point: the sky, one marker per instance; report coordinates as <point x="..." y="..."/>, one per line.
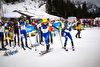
<point x="97" y="2"/>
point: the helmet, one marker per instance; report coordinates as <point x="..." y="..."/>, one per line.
<point x="5" y="19"/>
<point x="27" y="21"/>
<point x="44" y="20"/>
<point x="2" y="18"/>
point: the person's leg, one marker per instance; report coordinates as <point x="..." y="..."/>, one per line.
<point x="46" y="36"/>
<point x="25" y="35"/>
<point x="66" y="39"/>
<point x="6" y="33"/>
<point x="51" y="37"/>
<point x="69" y="35"/>
<point x="2" y="38"/>
<point x="76" y="34"/>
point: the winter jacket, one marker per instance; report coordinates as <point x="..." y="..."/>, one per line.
<point x="62" y="25"/>
<point x="78" y="26"/>
<point x="50" y="27"/>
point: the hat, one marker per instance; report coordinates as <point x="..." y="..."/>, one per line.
<point x="44" y="20"/>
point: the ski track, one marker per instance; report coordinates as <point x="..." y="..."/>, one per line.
<point x="86" y="53"/>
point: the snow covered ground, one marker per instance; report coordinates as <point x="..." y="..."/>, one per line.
<point x="32" y="7"/>
<point x="86" y="53"/>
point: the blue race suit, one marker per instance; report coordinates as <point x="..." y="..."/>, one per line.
<point x="23" y="31"/>
<point x="67" y="34"/>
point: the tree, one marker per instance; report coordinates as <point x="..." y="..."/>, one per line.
<point x="79" y="11"/>
<point x="49" y="7"/>
<point x="84" y="10"/>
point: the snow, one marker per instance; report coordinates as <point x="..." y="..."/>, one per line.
<point x="33" y="9"/>
<point x="86" y="54"/>
<point x="32" y="6"/>
<point x="12" y="15"/>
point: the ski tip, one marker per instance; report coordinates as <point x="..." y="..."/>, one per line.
<point x="20" y="47"/>
<point x="66" y="49"/>
<point x="73" y="49"/>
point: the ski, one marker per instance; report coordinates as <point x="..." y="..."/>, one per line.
<point x="45" y="51"/>
<point x="3" y="49"/>
<point x="28" y="47"/>
<point x="66" y="49"/>
<point x="23" y="48"/>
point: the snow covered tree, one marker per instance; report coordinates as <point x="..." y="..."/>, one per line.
<point x="84" y="10"/>
<point x="49" y="7"/>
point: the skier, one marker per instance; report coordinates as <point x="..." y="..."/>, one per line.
<point x="16" y="31"/>
<point x="23" y="32"/>
<point x="50" y="30"/>
<point x="11" y="30"/>
<point x="40" y="32"/>
<point x="34" y="23"/>
<point x="74" y="25"/>
<point x="78" y="29"/>
<point x="2" y="35"/>
<point x="27" y="23"/>
<point x="7" y="34"/>
<point x="66" y="35"/>
<point x="45" y="31"/>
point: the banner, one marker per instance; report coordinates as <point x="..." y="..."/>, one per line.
<point x="57" y="25"/>
<point x="30" y="29"/>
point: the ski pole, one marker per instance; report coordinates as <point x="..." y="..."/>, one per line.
<point x="30" y="40"/>
<point x="60" y="39"/>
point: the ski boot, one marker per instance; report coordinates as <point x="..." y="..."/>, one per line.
<point x="27" y="45"/>
<point x="23" y="46"/>
<point x="72" y="46"/>
<point x="6" y="43"/>
<point x="10" y="42"/>
<point x="3" y="48"/>
<point x="65" y="46"/>
<point x="76" y="35"/>
<point x="18" y="42"/>
<point x="51" y="42"/>
<point x="47" y="48"/>
<point x="15" y="41"/>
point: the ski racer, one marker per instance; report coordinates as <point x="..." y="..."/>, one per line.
<point x="11" y="30"/>
<point x="7" y="34"/>
<point x="45" y="30"/>
<point x="23" y="32"/>
<point x="66" y="35"/>
<point x="2" y="35"/>
<point x="16" y="31"/>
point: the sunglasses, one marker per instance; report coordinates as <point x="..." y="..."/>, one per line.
<point x="45" y="22"/>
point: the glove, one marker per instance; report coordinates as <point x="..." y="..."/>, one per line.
<point x="57" y="28"/>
